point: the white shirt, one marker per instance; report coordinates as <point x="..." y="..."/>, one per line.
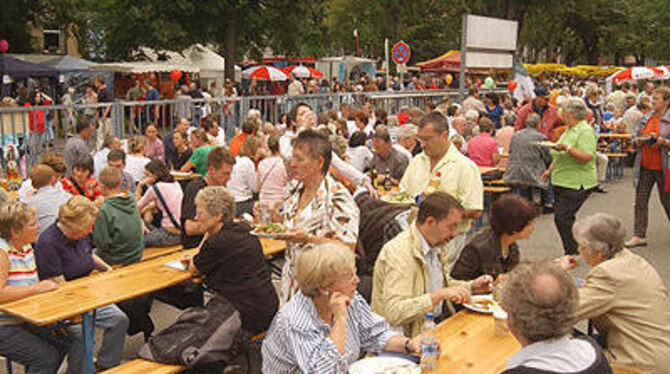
<point x="219" y="140"/>
<point x="562" y="355"/>
<point x="100" y="161"/>
<point x="360" y="157"/>
<point x="243" y="183"/>
<point x="26" y="190"/>
<point x="135" y="166"/>
<point x="434" y="268"/>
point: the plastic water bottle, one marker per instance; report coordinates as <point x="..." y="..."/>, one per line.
<point x="430" y="347"/>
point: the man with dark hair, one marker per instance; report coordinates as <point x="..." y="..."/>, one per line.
<point x="457" y="174"/>
<point x="387" y="160"/>
<point x="117" y="159"/>
<point x="415" y="261"/>
<point x="548" y="114"/>
<point x="220" y="163"/>
<point x="541" y="303"/>
<point x="76" y="146"/>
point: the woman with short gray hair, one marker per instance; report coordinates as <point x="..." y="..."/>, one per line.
<point x="573" y="170"/>
<point x="623" y="295"/>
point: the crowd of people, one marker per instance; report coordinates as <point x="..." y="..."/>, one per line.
<point x="359" y="274"/>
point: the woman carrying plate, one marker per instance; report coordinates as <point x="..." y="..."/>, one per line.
<point x="317" y="208"/>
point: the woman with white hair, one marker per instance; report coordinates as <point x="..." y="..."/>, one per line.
<point x="327" y="323"/>
<point x="573" y="170"/>
<point x="623" y="295"/>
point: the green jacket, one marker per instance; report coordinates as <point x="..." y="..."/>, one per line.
<point x="117" y="235"/>
<point x="400" y="282"/>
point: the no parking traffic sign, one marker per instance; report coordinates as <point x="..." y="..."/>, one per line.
<point x="401" y="53"/>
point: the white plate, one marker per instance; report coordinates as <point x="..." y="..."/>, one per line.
<point x="476" y="308"/>
<point x="267" y="234"/>
<point x="547" y="144"/>
<point x="387" y="199"/>
<point x="375" y="365"/>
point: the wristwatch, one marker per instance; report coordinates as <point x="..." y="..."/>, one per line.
<point x="408" y="350"/>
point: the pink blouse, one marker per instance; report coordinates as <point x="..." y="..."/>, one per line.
<point x="272" y="179"/>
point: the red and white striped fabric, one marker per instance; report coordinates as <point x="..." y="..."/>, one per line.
<point x="636" y="73"/>
<point x="666" y="72"/>
<point x="265" y="73"/>
<point x="301" y="71"/>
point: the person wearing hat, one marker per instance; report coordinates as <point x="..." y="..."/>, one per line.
<point x="540" y="105"/>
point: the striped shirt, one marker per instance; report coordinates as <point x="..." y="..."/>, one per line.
<point x="22" y="272"/>
<point x="298" y="340"/>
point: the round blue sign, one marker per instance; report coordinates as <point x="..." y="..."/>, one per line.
<point x="401" y="53"/>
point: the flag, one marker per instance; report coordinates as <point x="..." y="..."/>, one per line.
<point x="525" y="87"/>
<point x="355" y="33"/>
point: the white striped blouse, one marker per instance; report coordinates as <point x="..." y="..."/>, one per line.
<point x="298" y="340"/>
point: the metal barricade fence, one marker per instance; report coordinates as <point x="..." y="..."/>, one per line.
<point x="128" y="118"/>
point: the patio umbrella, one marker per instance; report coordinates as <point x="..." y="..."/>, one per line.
<point x="265" y="73"/>
<point x="301" y="71"/>
<point x="665" y="72"/>
<point x="636" y="73"/>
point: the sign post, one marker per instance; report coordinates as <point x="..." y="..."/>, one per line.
<point x="401" y="54"/>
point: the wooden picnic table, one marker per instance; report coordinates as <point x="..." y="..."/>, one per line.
<point x="469" y="345"/>
<point x="487" y="169"/>
<point x="616" y="136"/>
<point x="496" y="189"/>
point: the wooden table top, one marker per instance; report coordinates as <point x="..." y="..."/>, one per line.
<point x="469" y="345"/>
<point x="85" y="294"/>
<point x="496" y="189"/>
<point x="182" y="177"/>
<point x="487" y="169"/>
<point x="153" y="252"/>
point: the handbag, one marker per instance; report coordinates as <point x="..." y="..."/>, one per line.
<point x="167" y="210"/>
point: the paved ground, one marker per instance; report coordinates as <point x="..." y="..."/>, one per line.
<point x="544" y="243"/>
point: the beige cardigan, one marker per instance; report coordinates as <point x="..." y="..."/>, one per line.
<point x="400" y="282"/>
<point x="628" y="303"/>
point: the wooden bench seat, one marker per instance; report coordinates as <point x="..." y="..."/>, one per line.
<point x="144" y="366"/>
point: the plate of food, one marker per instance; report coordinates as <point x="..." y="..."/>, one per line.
<point x="384" y="364"/>
<point x="400" y="197"/>
<point x="269" y="230"/>
<point x="483" y="304"/>
<point x="547" y="143"/>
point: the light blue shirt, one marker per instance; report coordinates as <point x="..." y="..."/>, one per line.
<point x="298" y="340"/>
<point x="562" y="355"/>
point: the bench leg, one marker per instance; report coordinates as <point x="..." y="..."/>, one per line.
<point x="9" y="365"/>
<point x="88" y="338"/>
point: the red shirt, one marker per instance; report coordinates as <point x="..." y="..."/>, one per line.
<point x="651" y="155"/>
<point x="91" y="189"/>
<point x="548" y="122"/>
<point x="236" y="143"/>
<point x="35" y="116"/>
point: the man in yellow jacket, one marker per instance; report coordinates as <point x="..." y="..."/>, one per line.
<point x="411" y="276"/>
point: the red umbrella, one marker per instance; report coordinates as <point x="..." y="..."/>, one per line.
<point x="636" y="73"/>
<point x="301" y="71"/>
<point x="265" y="73"/>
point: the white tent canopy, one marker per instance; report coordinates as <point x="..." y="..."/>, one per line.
<point x="210" y="64"/>
<point x="144" y="67"/>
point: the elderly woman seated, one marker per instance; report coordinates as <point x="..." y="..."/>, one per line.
<point x="623" y="295"/>
<point x="21" y="342"/>
<point x="317" y="208"/>
<point x="326" y="324"/>
<point x="64" y="252"/>
<point x="232" y="265"/>
<point x="493" y="250"/>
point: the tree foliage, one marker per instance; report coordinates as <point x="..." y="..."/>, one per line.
<point x="577" y="31"/>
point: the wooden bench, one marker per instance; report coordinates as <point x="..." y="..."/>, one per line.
<point x="496" y="189"/>
<point x="495" y="182"/>
<point x="153" y="252"/>
<point x="144" y="366"/>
